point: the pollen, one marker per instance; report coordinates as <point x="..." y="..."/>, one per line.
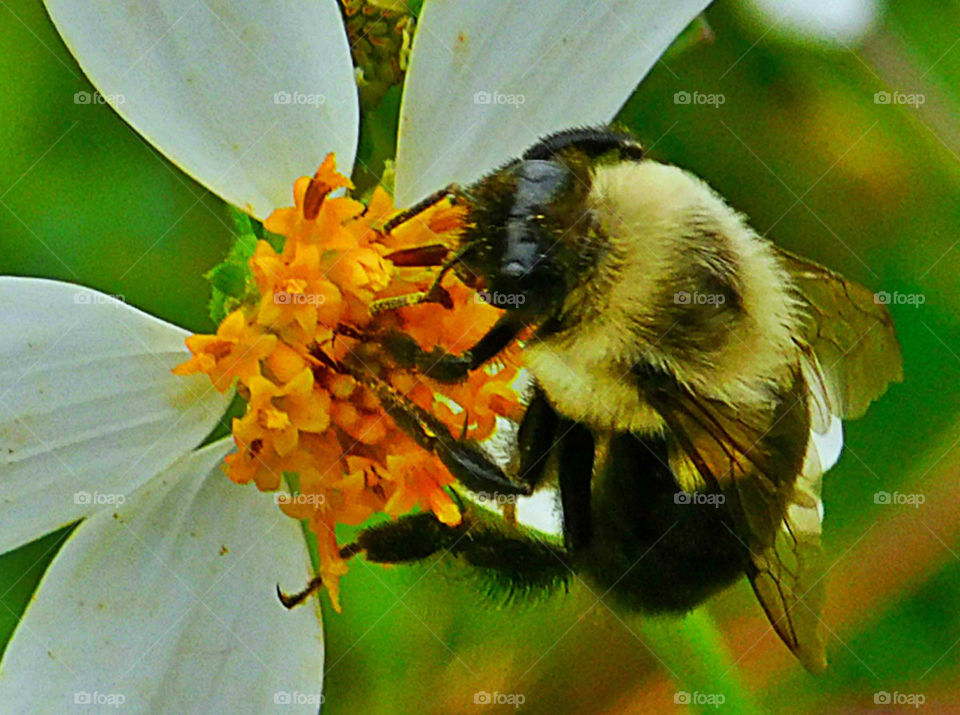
<point x="294" y="347"/>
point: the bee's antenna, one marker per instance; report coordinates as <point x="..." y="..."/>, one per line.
<point x="434" y="294"/>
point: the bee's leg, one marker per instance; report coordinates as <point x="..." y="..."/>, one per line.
<point x="469" y="464"/>
<point x="543" y="432"/>
<point x="536" y="438"/>
<point x="447" y="367"/>
<point x="576" y="454"/>
<point x="289" y="600"/>
<point x="418" y="208"/>
<point x="511" y="557"/>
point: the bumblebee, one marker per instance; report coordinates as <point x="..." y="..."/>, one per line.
<point x="688" y="384"/>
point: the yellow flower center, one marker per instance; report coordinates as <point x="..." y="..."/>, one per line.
<point x="295" y="285"/>
<point x="275" y="419"/>
<point x="284" y="351"/>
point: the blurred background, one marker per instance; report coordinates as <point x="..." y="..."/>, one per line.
<point x="833" y="126"/>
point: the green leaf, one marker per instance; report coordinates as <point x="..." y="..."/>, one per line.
<point x="231" y="282"/>
<point x="228" y="278"/>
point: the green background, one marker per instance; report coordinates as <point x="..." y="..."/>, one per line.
<point x="801" y="147"/>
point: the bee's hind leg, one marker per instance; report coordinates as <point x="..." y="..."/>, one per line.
<point x="510" y="557"/>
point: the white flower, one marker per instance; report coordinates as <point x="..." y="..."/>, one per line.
<point x="163" y="597"/>
<point x="830" y="22"/>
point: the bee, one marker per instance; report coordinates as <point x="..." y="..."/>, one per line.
<point x="689" y="379"/>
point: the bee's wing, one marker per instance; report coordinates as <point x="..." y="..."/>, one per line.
<point x="788" y="577"/>
<point x="770" y="476"/>
<point x="851" y="333"/>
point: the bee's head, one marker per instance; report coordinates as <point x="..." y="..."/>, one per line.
<point x="524" y="224"/>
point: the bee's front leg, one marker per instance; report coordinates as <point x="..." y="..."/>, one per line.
<point x="467" y="462"/>
<point x="447" y="367"/>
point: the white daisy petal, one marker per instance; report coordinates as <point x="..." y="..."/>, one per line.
<point x="243" y="95"/>
<point x="834" y="22"/>
<point x="89" y="409"/>
<point x="171" y="606"/>
<point x="830" y="444"/>
<point x="484" y="84"/>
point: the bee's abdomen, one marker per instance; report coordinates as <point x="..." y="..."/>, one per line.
<point x="653" y="546"/>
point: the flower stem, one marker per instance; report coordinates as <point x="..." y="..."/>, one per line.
<point x="691" y="649"/>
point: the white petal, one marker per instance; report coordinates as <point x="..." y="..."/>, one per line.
<point x="485" y="81"/>
<point x="829" y="445"/>
<point x="839" y="22"/>
<point x="243" y="95"/>
<point x="171" y="606"/>
<point x="541" y="511"/>
<point x="89" y="409"/>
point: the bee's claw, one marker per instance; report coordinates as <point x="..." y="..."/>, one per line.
<point x="289" y="600"/>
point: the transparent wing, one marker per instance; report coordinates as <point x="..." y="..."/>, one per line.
<point x="851" y="333"/>
<point x="763" y="467"/>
